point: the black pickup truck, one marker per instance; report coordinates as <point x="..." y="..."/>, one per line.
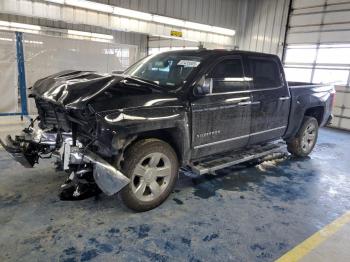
<point x="133" y="131"/>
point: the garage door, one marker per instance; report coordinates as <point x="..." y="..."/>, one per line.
<point x="318" y="48"/>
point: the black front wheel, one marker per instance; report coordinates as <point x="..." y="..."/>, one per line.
<point x="303" y="143"/>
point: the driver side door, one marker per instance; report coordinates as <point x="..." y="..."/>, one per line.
<point x="221" y="117"/>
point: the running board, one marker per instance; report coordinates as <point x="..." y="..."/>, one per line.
<point x="212" y="164"/>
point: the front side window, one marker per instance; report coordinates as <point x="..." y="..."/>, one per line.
<point x="228" y="76"/>
<point x="169" y="70"/>
<point x="265" y="73"/>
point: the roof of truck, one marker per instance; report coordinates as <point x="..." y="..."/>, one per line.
<point x="208" y="52"/>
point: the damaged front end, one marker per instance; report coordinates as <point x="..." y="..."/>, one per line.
<point x="33" y="144"/>
<point x="70" y="128"/>
<point x="86" y="168"/>
<point x="66" y="130"/>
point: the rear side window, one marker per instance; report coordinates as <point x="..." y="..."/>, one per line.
<point x="228" y="76"/>
<point x="265" y="73"/>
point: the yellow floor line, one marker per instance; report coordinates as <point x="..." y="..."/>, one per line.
<point x="316" y="239"/>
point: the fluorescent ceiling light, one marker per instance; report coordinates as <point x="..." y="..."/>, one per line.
<point x="132" y="13"/>
<point x="198" y="26"/>
<point x="102" y="36"/>
<point x="81" y="33"/>
<point x="224" y="31"/>
<point x="33" y="42"/>
<point x="5" y="39"/>
<point x="25" y="26"/>
<point x="19" y="26"/>
<point x="90" y="5"/>
<point x="56" y="1"/>
<point x="4" y="23"/>
<point x="89" y="34"/>
<point x="168" y="20"/>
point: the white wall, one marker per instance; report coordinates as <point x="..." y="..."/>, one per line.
<point x="8" y="73"/>
<point x="46" y="55"/>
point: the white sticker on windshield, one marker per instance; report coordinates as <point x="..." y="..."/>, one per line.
<point x="188" y="63"/>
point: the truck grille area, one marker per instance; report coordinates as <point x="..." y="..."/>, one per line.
<point x="52" y="116"/>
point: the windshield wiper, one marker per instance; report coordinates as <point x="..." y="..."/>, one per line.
<point x="144" y="80"/>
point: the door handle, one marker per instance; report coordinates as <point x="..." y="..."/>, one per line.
<point x="282" y="98"/>
<point x="237" y="99"/>
<point x="249" y="103"/>
<point x="245" y="103"/>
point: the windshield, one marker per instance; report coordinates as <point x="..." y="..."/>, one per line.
<point x="167" y="70"/>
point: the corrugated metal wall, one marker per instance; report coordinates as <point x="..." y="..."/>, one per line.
<point x="264" y="26"/>
<point x="224" y="13"/>
<point x="259" y="24"/>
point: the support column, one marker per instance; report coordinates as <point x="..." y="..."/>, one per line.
<point x="21" y="73"/>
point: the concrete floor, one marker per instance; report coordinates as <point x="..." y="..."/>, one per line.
<point x="252" y="213"/>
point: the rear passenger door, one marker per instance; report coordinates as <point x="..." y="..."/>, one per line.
<point x="221" y="118"/>
<point x="270" y="99"/>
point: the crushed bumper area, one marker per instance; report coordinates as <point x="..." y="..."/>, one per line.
<point x="17" y="152"/>
<point x="33" y="144"/>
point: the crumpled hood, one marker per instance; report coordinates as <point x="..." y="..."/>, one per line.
<point x="74" y="89"/>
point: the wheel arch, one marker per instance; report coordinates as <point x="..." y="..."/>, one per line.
<point x="175" y="137"/>
<point x="316" y="112"/>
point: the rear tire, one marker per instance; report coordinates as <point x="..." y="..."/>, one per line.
<point x="152" y="167"/>
<point x="303" y="143"/>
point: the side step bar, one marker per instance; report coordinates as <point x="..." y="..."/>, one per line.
<point x="210" y="165"/>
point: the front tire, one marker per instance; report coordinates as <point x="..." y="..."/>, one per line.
<point x="303" y="143"/>
<point x="152" y="167"/>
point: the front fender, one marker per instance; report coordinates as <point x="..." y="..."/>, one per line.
<point x="116" y="128"/>
<point x="138" y="120"/>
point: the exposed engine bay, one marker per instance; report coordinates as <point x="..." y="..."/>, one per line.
<point x="88" y="172"/>
<point x="54" y="134"/>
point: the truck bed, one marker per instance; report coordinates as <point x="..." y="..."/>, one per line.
<point x="308" y="95"/>
<point x="303" y="84"/>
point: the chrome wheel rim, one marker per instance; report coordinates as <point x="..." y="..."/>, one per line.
<point x="151" y="176"/>
<point x="309" y="137"/>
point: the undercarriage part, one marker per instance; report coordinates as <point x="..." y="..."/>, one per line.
<point x="79" y="185"/>
<point x="109" y="179"/>
<point x="79" y="191"/>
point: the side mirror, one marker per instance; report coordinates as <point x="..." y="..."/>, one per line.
<point x="204" y="87"/>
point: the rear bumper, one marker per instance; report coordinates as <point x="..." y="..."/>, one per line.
<point x="329" y="120"/>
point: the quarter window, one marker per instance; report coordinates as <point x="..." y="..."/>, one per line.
<point x="228" y="76"/>
<point x="265" y="73"/>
